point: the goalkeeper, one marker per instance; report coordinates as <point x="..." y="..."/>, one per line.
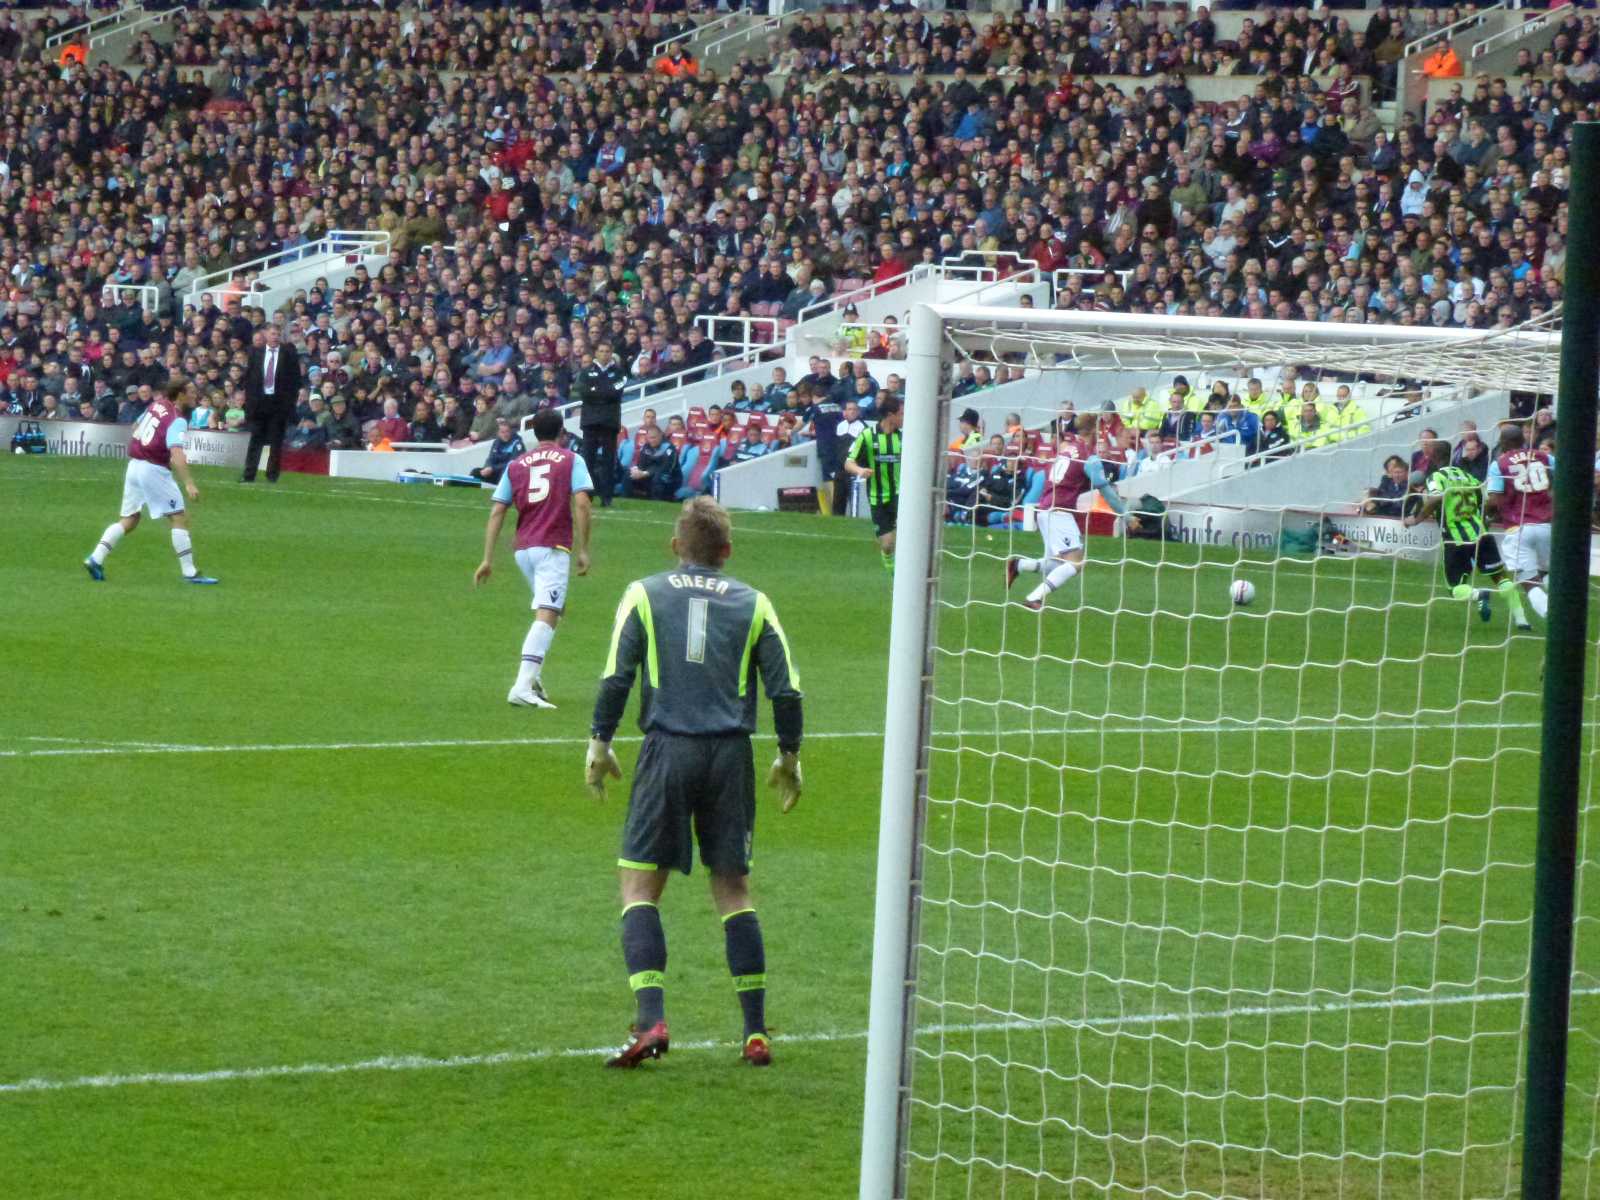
<point x="701" y="638"/>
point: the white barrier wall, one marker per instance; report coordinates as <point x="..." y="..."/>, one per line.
<point x="375" y="464"/>
<point x="755" y="484"/>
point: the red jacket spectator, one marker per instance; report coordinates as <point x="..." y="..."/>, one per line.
<point x="888" y="269"/>
<point x="675" y="63"/>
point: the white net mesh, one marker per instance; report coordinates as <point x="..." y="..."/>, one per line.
<point x="1220" y="899"/>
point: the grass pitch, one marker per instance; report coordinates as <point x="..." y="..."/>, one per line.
<point x="292" y="902"/>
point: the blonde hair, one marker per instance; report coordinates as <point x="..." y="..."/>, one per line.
<point x="704" y="532"/>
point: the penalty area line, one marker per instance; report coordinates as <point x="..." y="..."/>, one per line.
<point x="504" y="1058"/>
<point x="112" y="749"/>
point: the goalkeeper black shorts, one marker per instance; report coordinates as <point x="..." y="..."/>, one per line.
<point x="885" y="516"/>
<point x="687" y="790"/>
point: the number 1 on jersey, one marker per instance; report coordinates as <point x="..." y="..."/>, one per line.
<point x="699" y="614"/>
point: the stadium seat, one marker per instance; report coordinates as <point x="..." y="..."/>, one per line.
<point x="698" y="472"/>
<point x="759" y="420"/>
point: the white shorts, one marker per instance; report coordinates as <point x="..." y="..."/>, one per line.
<point x="1526" y="550"/>
<point x="1059" y="527"/>
<point x="148" y="486"/>
<point x="546" y="570"/>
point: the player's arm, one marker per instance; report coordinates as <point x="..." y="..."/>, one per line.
<point x="491" y="532"/>
<point x="781" y="681"/>
<point x="858" y="451"/>
<point x="582" y="514"/>
<point x="1101" y="482"/>
<point x="1494" y="488"/>
<point x="630" y="642"/>
<point x="180" y="468"/>
<point x="1431" y="501"/>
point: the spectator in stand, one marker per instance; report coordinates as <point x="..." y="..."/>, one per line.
<point x="656" y="473"/>
<point x="1388" y="499"/>
<point x="392" y="427"/>
<point x="1472" y="456"/>
<point x="1309" y="431"/>
<point x="425" y="426"/>
<point x="503" y="447"/>
<point x="1238" y="426"/>
<point x="1179" y="423"/>
<point x="1152" y="454"/>
<point x="307" y="435"/>
<point x="1274" y="441"/>
<point x="344" y="431"/>
<point x="1421" y="456"/>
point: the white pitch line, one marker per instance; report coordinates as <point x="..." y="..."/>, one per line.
<point x="418" y="1062"/>
<point x="1312" y="726"/>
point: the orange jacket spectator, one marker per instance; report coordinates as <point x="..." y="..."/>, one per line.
<point x="675" y="63"/>
<point x="1443" y="63"/>
<point x="72" y="53"/>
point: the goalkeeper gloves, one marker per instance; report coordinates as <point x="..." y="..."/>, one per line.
<point x="601" y="762"/>
<point x="785" y="776"/>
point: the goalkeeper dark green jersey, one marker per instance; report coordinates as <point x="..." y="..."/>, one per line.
<point x="879" y="453"/>
<point x="702" y="639"/>
<point x="1460" y="505"/>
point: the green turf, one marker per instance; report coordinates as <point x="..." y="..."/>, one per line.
<point x="352" y="881"/>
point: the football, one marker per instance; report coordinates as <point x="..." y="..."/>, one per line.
<point x="1243" y="591"/>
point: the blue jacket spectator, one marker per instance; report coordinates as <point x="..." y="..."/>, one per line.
<point x="506" y="446"/>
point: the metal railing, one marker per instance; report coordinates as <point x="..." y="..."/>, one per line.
<point x="1531" y="24"/>
<point x="1060" y="274"/>
<point x="1446" y="32"/>
<point x="694" y="34"/>
<point x="145" y="21"/>
<point x="756" y="29"/>
<point x="359" y="242"/>
<point x="88" y="28"/>
<point x="750" y="331"/>
<point x="149" y="294"/>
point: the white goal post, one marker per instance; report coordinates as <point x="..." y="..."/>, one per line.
<point x="1181" y="898"/>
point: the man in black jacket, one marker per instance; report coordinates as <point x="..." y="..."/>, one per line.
<point x="271" y="385"/>
<point x="598" y="387"/>
<point x="656" y="473"/>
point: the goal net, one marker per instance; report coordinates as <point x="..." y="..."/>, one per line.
<point x="1185" y="897"/>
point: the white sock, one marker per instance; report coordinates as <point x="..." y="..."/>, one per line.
<point x="1538" y="600"/>
<point x="1030" y="564"/>
<point x="108" y="543"/>
<point x="1058" y="576"/>
<point x="534" y="647"/>
<point x="181" y="544"/>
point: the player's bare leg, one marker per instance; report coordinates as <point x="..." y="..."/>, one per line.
<point x="747" y="961"/>
<point x="95" y="563"/>
<point x="528" y="690"/>
<point x="1064" y="567"/>
<point x="644" y="951"/>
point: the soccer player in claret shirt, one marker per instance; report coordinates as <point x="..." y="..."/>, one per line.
<point x="155" y="455"/>
<point x="549" y="487"/>
<point x="1075" y="470"/>
<point x="1456" y="497"/>
<point x="1519" y="487"/>
<point x="703" y="640"/>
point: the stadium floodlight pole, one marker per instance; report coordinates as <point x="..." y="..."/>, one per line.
<point x="888" y="1026"/>
<point x="1555" y="855"/>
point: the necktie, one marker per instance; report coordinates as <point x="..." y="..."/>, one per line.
<point x="272" y="370"/>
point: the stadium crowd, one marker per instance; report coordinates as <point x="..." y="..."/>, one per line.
<point x="550" y="184"/>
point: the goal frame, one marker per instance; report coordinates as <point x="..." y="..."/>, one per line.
<point x="907" y="723"/>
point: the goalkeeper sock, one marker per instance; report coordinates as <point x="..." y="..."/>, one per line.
<point x="747" y="963"/>
<point x="888" y="561"/>
<point x="1030" y="564"/>
<point x="644" y="950"/>
<point x="1512" y="591"/>
<point x="185" y="551"/>
<point x="1463" y="591"/>
<point x="1059" y="575"/>
<point x="534" y="648"/>
<point x="1539" y="600"/>
<point x="108" y="543"/>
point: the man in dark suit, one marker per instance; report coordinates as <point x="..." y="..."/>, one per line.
<point x="271" y="384"/>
